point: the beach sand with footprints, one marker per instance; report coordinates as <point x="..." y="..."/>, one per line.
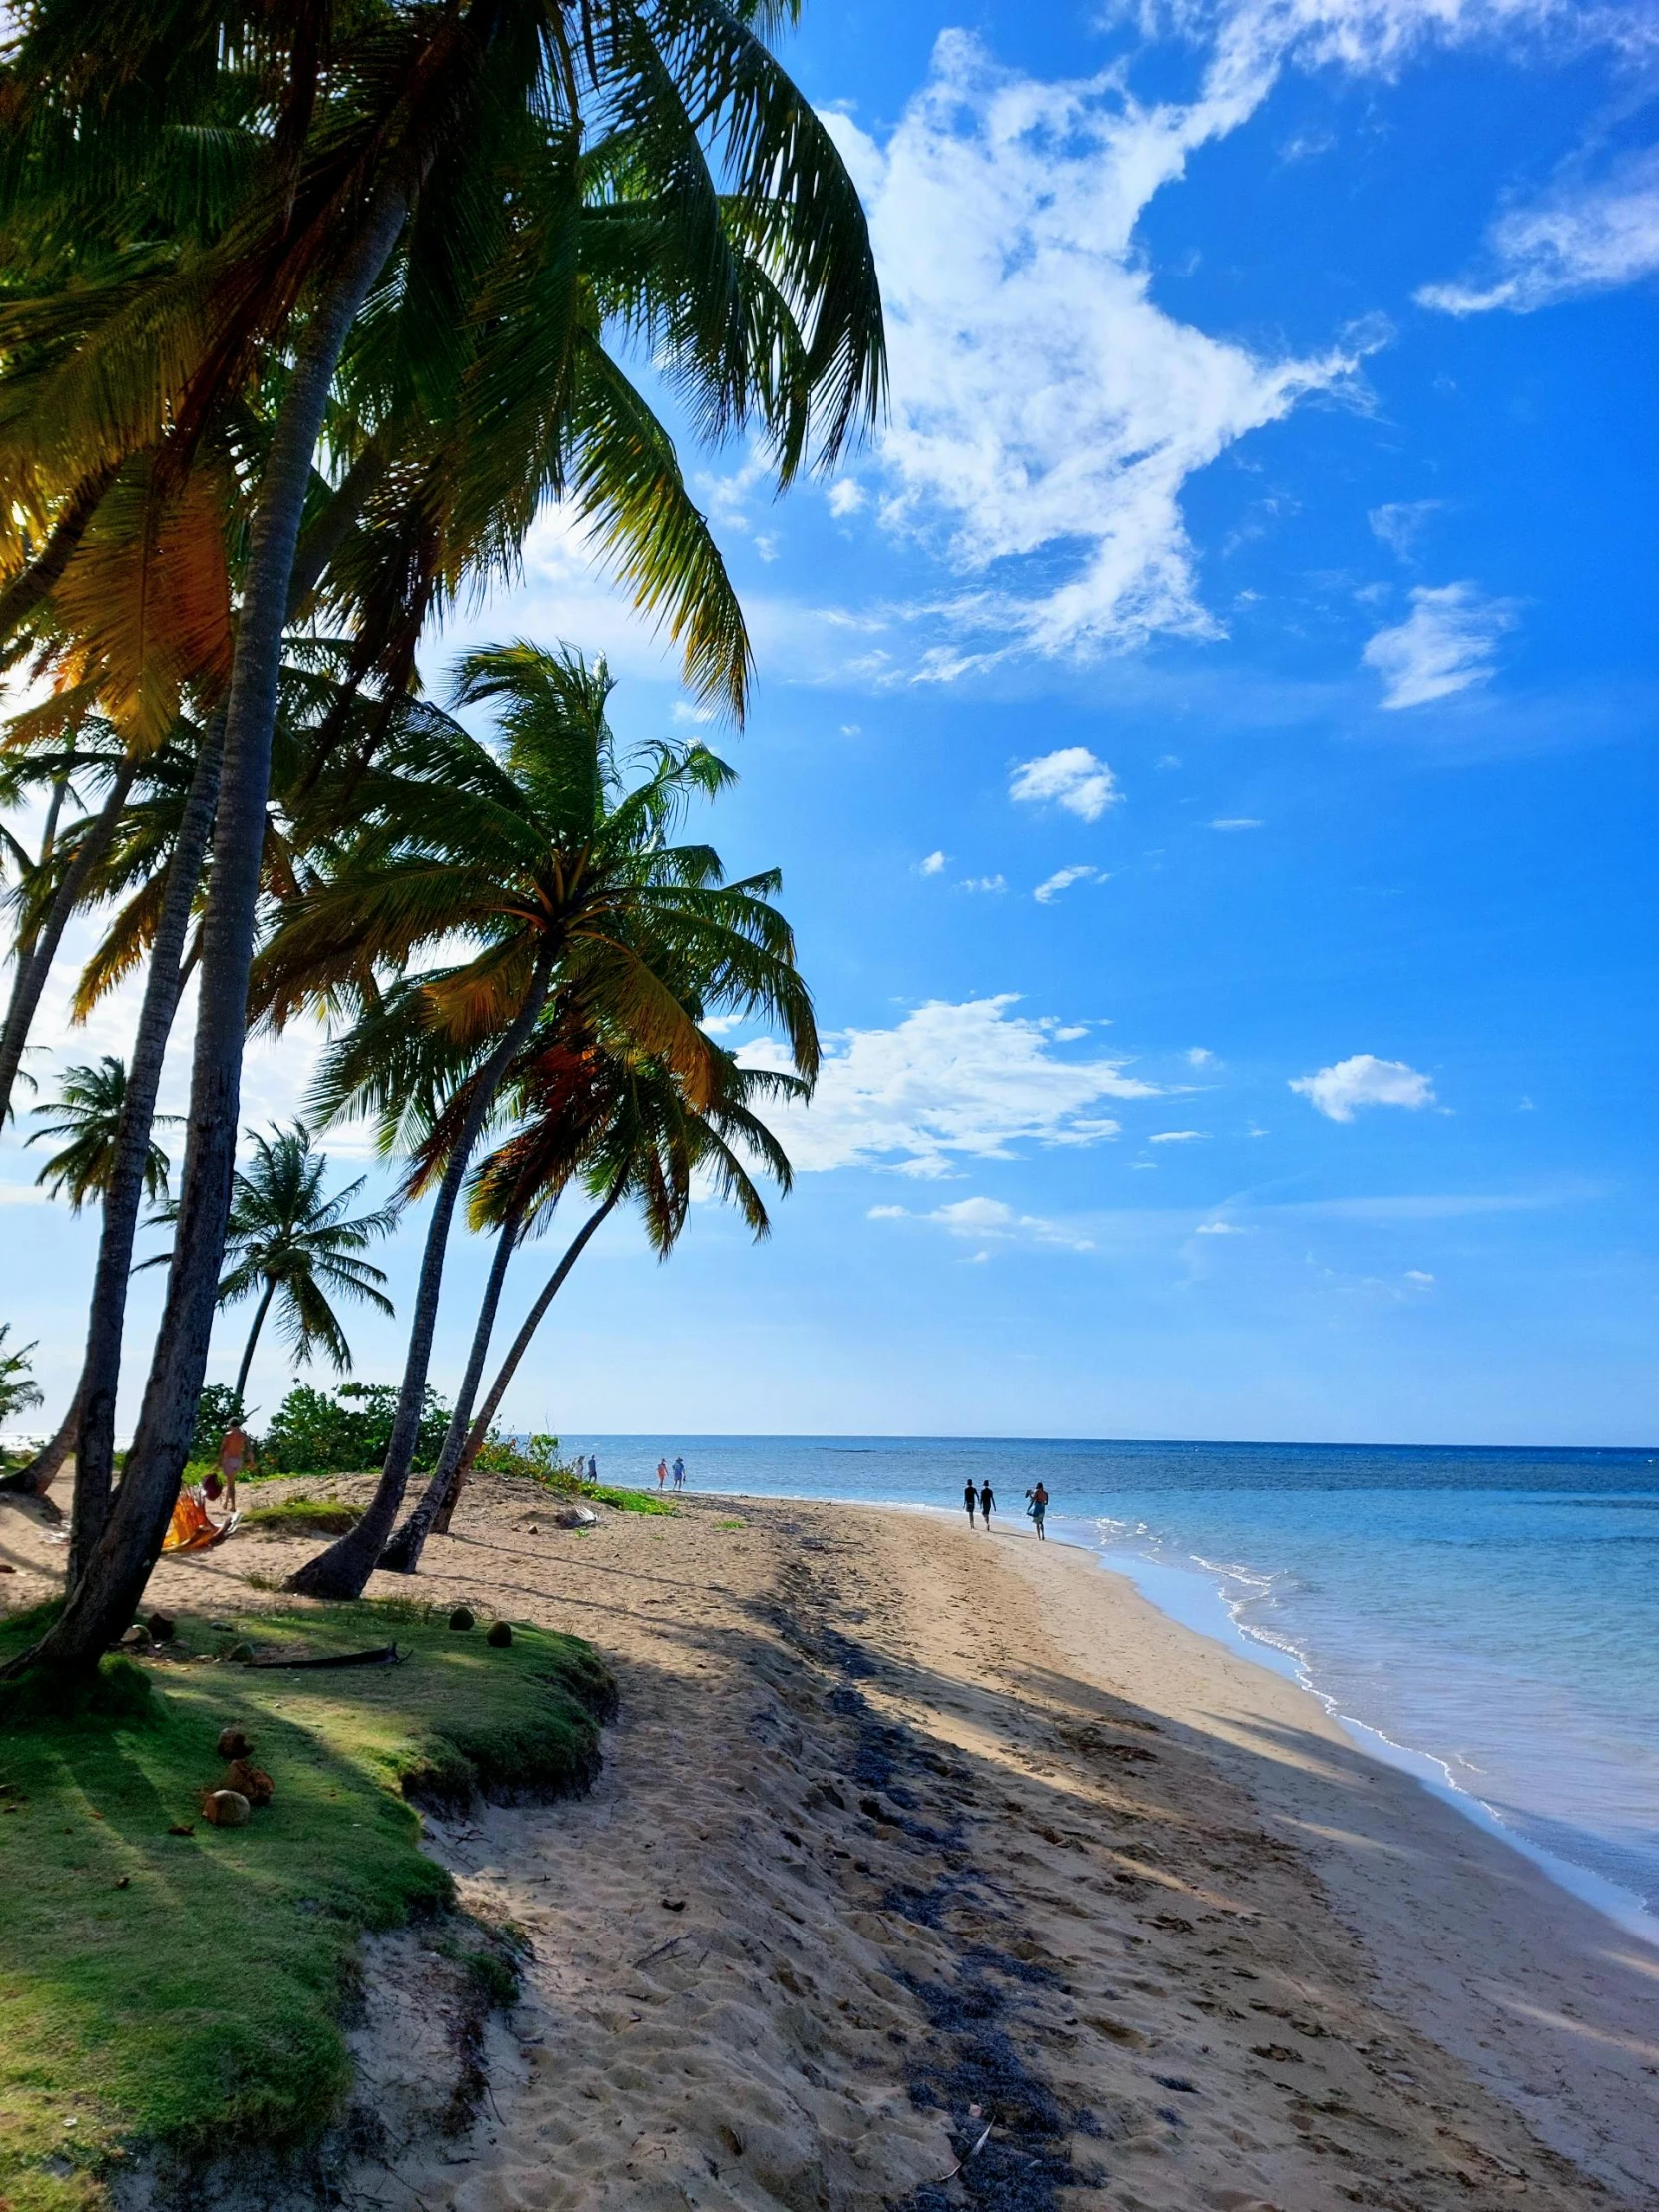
<point x="916" y="1847"/>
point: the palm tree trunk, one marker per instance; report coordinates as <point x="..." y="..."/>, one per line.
<point x="260" y="1313"/>
<point x="402" y="1554"/>
<point x="345" y="1568"/>
<point x="509" y="1367"/>
<point x="124" y="1194"/>
<point x="35" y="963"/>
<point x="103" y="1601"/>
<point x="43" y="1470"/>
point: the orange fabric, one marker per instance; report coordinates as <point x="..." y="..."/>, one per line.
<point x="189" y="1529"/>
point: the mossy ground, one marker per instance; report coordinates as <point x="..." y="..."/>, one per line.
<point x="186" y="1990"/>
<point x="305" y="1516"/>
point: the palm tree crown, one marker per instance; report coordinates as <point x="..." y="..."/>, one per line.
<point x="88" y="1112"/>
<point x="289" y="1242"/>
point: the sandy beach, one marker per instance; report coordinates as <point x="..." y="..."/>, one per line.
<point x="906" y="1833"/>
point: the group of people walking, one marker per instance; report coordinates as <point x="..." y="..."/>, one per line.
<point x="679" y="1473"/>
<point x="983" y="1502"/>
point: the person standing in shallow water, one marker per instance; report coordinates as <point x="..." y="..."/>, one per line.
<point x="987" y="1502"/>
<point x="970" y="1498"/>
<point x="1039" y="1507"/>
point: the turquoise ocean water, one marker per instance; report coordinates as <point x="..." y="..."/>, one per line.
<point x="1489" y="1617"/>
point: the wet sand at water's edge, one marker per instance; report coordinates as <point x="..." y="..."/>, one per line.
<point x="905" y="1832"/>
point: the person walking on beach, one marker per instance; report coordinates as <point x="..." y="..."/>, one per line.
<point x="987" y="1500"/>
<point x="662" y="1474"/>
<point x="593" y="1468"/>
<point x="970" y="1498"/>
<point x="679" y="1473"/>
<point x="1040" y="1506"/>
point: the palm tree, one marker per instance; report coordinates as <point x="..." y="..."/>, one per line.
<point x="624" y="1129"/>
<point x="746" y="267"/>
<point x="88" y="1112"/>
<point x="288" y="1238"/>
<point x="559" y="873"/>
<point x="18" y="1391"/>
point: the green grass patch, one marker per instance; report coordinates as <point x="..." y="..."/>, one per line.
<point x="305" y="1516"/>
<point x="186" y="1990"/>
<point x="628" y="1501"/>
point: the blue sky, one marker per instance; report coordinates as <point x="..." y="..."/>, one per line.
<point x="1208" y="738"/>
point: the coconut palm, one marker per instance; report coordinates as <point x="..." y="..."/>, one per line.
<point x="18" y="1390"/>
<point x="563" y="879"/>
<point x="88" y="1111"/>
<point x="623" y="1130"/>
<point x="289" y="1241"/>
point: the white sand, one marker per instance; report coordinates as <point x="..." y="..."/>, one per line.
<point x="898" y="1821"/>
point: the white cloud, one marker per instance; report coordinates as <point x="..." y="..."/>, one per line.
<point x="1072" y="778"/>
<point x="1200" y="1056"/>
<point x="1401" y="522"/>
<point x="845" y="496"/>
<point x="1042" y="403"/>
<point x="1364" y="1080"/>
<point x="1416" y="1275"/>
<point x="1062" y="880"/>
<point x="974" y="1218"/>
<point x="934" y="864"/>
<point x="1179" y="1136"/>
<point x="1235" y="821"/>
<point x="1219" y="1228"/>
<point x="971" y="1080"/>
<point x="1584" y="238"/>
<point x="984" y="883"/>
<point x="1446" y="644"/>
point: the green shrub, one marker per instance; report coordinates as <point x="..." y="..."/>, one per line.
<point x="536" y="1460"/>
<point x="315" y="1432"/>
<point x="305" y="1517"/>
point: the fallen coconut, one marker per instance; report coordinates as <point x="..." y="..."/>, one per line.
<point x="501" y="1636"/>
<point x="462" y="1617"/>
<point x="225" y="1808"/>
<point x="232" y="1743"/>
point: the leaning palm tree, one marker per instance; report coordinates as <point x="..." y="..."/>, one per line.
<point x="290" y="1241"/>
<point x="559" y="876"/>
<point x="627" y="1133"/>
<point x="87" y="1111"/>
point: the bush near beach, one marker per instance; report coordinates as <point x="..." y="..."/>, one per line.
<point x="178" y="1984"/>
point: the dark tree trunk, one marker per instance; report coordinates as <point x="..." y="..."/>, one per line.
<point x="345" y="1568"/>
<point x="103" y="1601"/>
<point x="43" y="1470"/>
<point x="444" y="1506"/>
<point x="402" y="1554"/>
<point x="124" y="1198"/>
<point x="260" y="1311"/>
<point x="35" y="963"/>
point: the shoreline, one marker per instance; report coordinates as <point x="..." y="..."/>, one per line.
<point x="1623" y="1906"/>
<point x="902" y="1835"/>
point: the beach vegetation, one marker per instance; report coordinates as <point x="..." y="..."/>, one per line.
<point x="19" y="1392"/>
<point x="175" y="1983"/>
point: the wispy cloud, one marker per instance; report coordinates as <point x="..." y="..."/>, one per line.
<point x="1235" y="821"/>
<point x="1446" y="644"/>
<point x="1583" y="237"/>
<point x="973" y="1080"/>
<point x="1071" y="778"/>
<point x="1179" y="1136"/>
<point x="1339" y="1091"/>
<point x="982" y="1218"/>
<point x="1401" y="522"/>
<point x="1062" y="880"/>
<point x="984" y="883"/>
<point x="934" y="864"/>
<point x="1042" y="403"/>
